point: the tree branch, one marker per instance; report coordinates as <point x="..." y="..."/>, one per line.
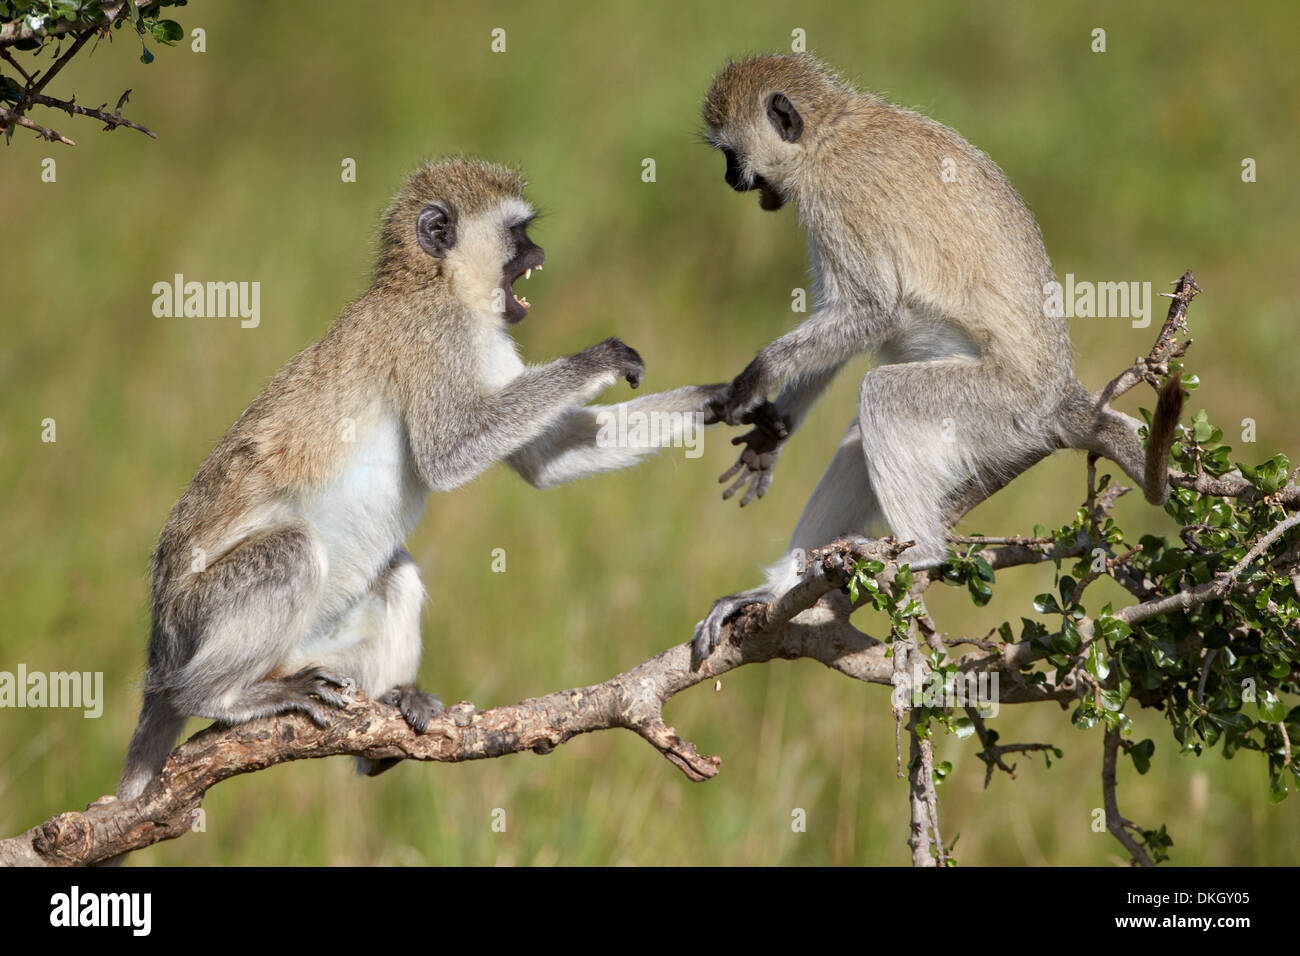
<point x="1115" y="823"/>
<point x="8" y="116"/>
<point x="811" y="620"/>
<point x="793" y="627"/>
<point x="36" y="81"/>
<point x="18" y="31"/>
<point x="110" y="120"/>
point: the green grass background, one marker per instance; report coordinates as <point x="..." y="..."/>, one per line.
<point x="1130" y="160"/>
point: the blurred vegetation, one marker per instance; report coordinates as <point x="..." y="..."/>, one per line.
<point x="1130" y="159"/>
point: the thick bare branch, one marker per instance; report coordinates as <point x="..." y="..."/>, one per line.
<point x="632" y="700"/>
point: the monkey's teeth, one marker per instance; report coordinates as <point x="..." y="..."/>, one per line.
<point x="528" y="274"/>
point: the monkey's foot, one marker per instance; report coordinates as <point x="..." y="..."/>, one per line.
<point x="416" y="706"/>
<point x="708" y="633"/>
<point x="306" y="690"/>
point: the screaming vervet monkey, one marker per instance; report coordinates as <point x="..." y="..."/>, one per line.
<point x="943" y="278"/>
<point x="279" y="579"/>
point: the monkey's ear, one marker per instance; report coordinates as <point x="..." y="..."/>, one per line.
<point x="435" y="230"/>
<point x="785" y="119"/>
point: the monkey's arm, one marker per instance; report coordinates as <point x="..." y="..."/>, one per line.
<point x="458" y="444"/>
<point x="806" y="357"/>
<point x="800" y="394"/>
<point x="591" y="439"/>
<point x="763" y="443"/>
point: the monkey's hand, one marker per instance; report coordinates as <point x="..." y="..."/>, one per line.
<point x="614" y="356"/>
<point x="741" y="397"/>
<point x="758" y="458"/>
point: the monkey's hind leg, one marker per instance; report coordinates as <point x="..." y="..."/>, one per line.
<point x="248" y="612"/>
<point x="842" y="504"/>
<point x="378" y="644"/>
<point x="940" y="436"/>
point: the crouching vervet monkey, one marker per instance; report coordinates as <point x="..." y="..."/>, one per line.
<point x="279" y="579"/>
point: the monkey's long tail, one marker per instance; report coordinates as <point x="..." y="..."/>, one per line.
<point x="152" y="741"/>
<point x="1164" y="426"/>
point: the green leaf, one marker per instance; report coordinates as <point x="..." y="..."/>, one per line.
<point x="1113" y="700"/>
<point x="1046" y="604"/>
<point x="1097" y="664"/>
<point x="1141" y="754"/>
<point x="1066" y="588"/>
<point x="1069" y="639"/>
<point x="167" y="31"/>
<point x="1234" y="720"/>
<point x="1271" y="709"/>
<point x="1084" y="720"/>
<point x="963" y="727"/>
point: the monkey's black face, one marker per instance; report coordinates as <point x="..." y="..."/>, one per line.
<point x="768" y="198"/>
<point x="527" y="256"/>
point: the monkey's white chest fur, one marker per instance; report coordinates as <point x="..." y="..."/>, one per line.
<point x="365" y="512"/>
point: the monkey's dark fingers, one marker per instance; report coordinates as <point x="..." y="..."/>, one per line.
<point x="717" y="396"/>
<point x="731" y="472"/>
<point x="739" y="482"/>
<point x="694" y="639"/>
<point x="329" y="678"/>
<point x="632" y="367"/>
<point x="316" y="683"/>
<point x="315" y="713"/>
<point x="758" y="487"/>
<point x="708" y="633"/>
<point x="417" y="706"/>
<point x="768" y="420"/>
<point x="717" y="410"/>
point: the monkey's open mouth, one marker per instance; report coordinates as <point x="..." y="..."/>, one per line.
<point x="522" y="266"/>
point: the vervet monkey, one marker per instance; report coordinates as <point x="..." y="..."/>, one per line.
<point x="279" y="579"/>
<point x="943" y="278"/>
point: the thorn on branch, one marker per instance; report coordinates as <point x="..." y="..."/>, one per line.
<point x="111" y="121"/>
<point x="10" y="118"/>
